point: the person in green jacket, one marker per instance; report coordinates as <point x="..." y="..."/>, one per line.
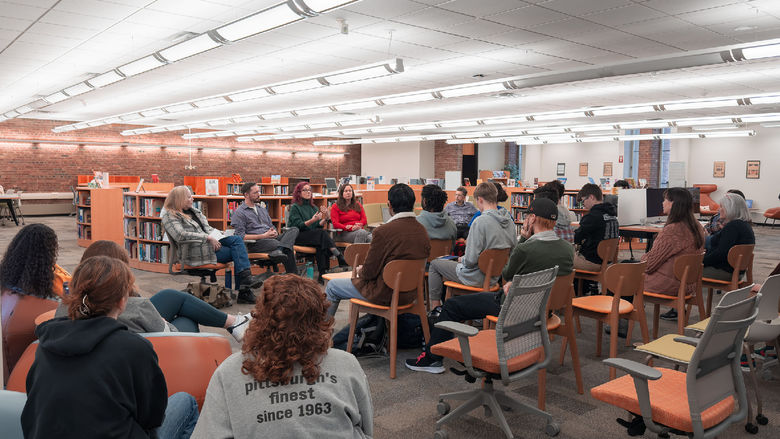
<point x="310" y="220"/>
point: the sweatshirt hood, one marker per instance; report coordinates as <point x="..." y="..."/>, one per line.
<point x="604" y="208"/>
<point x="500" y="215"/>
<point x="436" y="219"/>
<point x="70" y="338"/>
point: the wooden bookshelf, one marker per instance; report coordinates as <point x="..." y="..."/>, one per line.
<point x="98" y="215"/>
<point x="127" y="179"/>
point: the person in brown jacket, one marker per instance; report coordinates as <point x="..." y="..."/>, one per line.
<point x="402" y="237"/>
<point x="681" y="235"/>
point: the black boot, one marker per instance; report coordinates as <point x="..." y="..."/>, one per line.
<point x="246" y="296"/>
<point x="245" y="279"/>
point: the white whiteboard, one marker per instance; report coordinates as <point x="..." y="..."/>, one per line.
<point x="452" y="180"/>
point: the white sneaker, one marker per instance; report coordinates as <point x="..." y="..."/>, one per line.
<point x="239" y="328"/>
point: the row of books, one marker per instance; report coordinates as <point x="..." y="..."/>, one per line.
<point x="153" y="253"/>
<point x="129" y="205"/>
<point x="84" y="232"/>
<point x="84" y="198"/>
<point x="275" y="190"/>
<point x="234" y="188"/>
<point x="522" y="200"/>
<point x="84" y="215"/>
<point x="151" y="230"/>
<point x="150" y="207"/>
<point x="130" y="227"/>
<point x="570" y="202"/>
<point x="519" y="214"/>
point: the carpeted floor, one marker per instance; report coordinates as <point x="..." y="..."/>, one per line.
<point x="406" y="407"/>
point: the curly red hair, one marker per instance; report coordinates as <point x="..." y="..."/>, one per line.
<point x="290" y="325"/>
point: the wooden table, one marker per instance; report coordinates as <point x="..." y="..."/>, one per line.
<point x="642" y="232"/>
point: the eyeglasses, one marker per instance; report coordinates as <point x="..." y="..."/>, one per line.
<point x="306" y="190"/>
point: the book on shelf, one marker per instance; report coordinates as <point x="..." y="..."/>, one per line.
<point x="521" y="200"/>
<point x="234" y="188"/>
<point x="148" y="252"/>
<point x="129" y="205"/>
<point x="84" y="231"/>
<point x="132" y="248"/>
<point x="131" y="227"/>
<point x="151" y="207"/>
<point x="212" y="186"/>
<point x="202" y="206"/>
<point x="151" y="230"/>
<point x="84" y="215"/>
<point x="231" y="208"/>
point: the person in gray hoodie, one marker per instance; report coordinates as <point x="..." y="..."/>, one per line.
<point x="437" y="223"/>
<point x="493" y="229"/>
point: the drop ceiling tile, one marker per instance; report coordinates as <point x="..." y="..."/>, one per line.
<point x="527" y="17"/>
<point x="434" y="18"/>
<point x="481" y="29"/>
<point x="60" y="31"/>
<point x="622" y="42"/>
<point x="65" y="18"/>
<point x="692" y="38"/>
<point x="195" y="8"/>
<point x="767" y="6"/>
<point x="14" y="24"/>
<point x="21" y="11"/>
<point x="718" y="15"/>
<point x="410" y="34"/>
<point x="481" y="9"/>
<point x="623" y="15"/>
<point x="565" y="49"/>
<point x="517" y="38"/>
<point x="165" y="20"/>
<point x="572" y="27"/>
<point x="655" y="26"/>
<point x="354" y="20"/>
<point x="579" y="8"/>
<point x="471" y="47"/>
<point x="757" y="35"/>
<point x="674" y="7"/>
<point x="519" y="56"/>
<point x="386" y="9"/>
<point x="746" y="27"/>
<point x="97" y="8"/>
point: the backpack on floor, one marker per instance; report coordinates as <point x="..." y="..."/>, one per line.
<point x="410" y="333"/>
<point x="214" y="294"/>
<point x="370" y="337"/>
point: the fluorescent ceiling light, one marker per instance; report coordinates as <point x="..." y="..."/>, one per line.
<point x="105" y="79"/>
<point x="505" y="120"/>
<point x="178" y="107"/>
<point x="11" y="114"/>
<point x="356" y="105"/>
<point x="556" y="116"/>
<point x="248" y="95"/>
<point x="367" y="73"/>
<point x="245" y="119"/>
<point x="623" y="110"/>
<point x="280" y="115"/>
<point x="473" y="90"/>
<point x="701" y="104"/>
<point x="746" y="133"/>
<point x="220" y="122"/>
<point x="210" y="102"/>
<point x="193" y="46"/>
<point x="644" y="124"/>
<point x="408" y="99"/>
<point x="765" y="100"/>
<point x="714" y="127"/>
<point x="56" y="97"/>
<point x="81" y="87"/>
<point x="769" y="117"/>
<point x="293" y="87"/>
<point x="24" y="109"/>
<point x="311" y="111"/>
<point x="326" y="5"/>
<point x="761" y="51"/>
<point x="152" y="113"/>
<point x="140" y="66"/>
<point x="262" y="21"/>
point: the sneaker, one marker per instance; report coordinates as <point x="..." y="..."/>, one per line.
<point x="767" y="353"/>
<point x="246" y="296"/>
<point x="670" y="315"/>
<point x="424" y="363"/>
<point x="238" y="329"/>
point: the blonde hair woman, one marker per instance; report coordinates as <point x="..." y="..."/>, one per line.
<point x="183" y="222"/>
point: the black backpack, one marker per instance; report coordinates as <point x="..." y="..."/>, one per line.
<point x="371" y="335"/>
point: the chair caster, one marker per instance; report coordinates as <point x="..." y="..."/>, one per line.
<point x="751" y="428"/>
<point x="443" y="408"/>
<point x="552" y="429"/>
<point x="761" y="419"/>
<point x="440" y="434"/>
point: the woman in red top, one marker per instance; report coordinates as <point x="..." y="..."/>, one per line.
<point x="348" y="215"/>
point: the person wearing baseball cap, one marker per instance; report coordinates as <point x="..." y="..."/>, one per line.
<point x="539" y="248"/>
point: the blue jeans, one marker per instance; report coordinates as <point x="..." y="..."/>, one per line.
<point x="181" y="415"/>
<point x="340" y="289"/>
<point x="186" y="311"/>
<point x="233" y="249"/>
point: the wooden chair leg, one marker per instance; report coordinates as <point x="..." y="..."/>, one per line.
<point x="682" y="319"/>
<point x="642" y="326"/>
<point x="542" y="388"/>
<point x="703" y="314"/>
<point x="575" y="357"/>
<point x="656" y="318"/>
<point x="629" y="333"/>
<point x="353" y="318"/>
<point x="579" y="327"/>
<point x="393" y="343"/>
<point x="563" y="349"/>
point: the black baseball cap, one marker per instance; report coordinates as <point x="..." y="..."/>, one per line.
<point x="544" y="208"/>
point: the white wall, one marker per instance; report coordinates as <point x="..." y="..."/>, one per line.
<point x="490" y="156"/>
<point x="402" y="159"/>
<point x="541" y="161"/>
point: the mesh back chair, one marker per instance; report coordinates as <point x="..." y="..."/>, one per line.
<point x="622" y="280"/>
<point x="491" y="262"/>
<point x="687" y="270"/>
<point x="355" y="254"/>
<point x="741" y="260"/>
<point x="699" y="402"/>
<point x="210" y="270"/>
<point x="558" y="305"/>
<point x="607" y="251"/>
<point x="11" y="406"/>
<point x="401" y="275"/>
<point x="517" y="348"/>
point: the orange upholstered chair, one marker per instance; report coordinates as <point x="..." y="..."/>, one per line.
<point x="401" y="275"/>
<point x="700" y="401"/>
<point x="773" y="214"/>
<point x="706" y="203"/>
<point x="19" y="313"/>
<point x="519" y="347"/>
<point x="622" y="280"/>
<point x="490" y="262"/>
<point x="187" y="359"/>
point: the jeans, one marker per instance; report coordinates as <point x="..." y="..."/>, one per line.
<point x="233" y="249"/>
<point x="186" y="311"/>
<point x="181" y="415"/>
<point x="439" y="271"/>
<point x="459" y="308"/>
<point x="340" y="289"/>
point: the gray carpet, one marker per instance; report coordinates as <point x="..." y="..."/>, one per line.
<point x="406" y="407"/>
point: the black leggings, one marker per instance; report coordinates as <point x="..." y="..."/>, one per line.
<point x="319" y="239"/>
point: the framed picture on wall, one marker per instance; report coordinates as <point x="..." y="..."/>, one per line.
<point x="584" y="169"/>
<point x="608" y="169"/>
<point x="719" y="169"/>
<point x="753" y="169"/>
<point x="561" y="169"/>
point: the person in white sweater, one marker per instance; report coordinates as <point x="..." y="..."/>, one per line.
<point x="286" y="382"/>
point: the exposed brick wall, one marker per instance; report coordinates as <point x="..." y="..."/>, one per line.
<point x="42" y="167"/>
<point x="446" y="158"/>
<point x="650" y="158"/>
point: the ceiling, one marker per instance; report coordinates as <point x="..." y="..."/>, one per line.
<point x="48" y="45"/>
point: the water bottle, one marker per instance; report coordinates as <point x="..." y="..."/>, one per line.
<point x="309" y="270"/>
